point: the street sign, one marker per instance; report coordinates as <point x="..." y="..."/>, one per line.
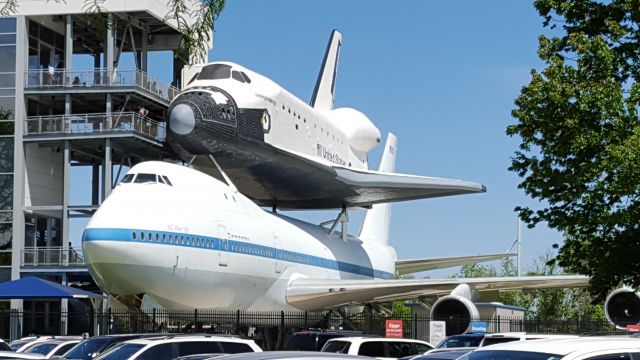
<point x="478" y="327"/>
<point x="437" y="331"/>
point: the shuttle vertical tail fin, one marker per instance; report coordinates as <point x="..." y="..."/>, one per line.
<point x="377" y="220"/>
<point x="322" y="98"/>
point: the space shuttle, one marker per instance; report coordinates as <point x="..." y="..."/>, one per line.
<point x="282" y="152"/>
<point x="184" y="239"/>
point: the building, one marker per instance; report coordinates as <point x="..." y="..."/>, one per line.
<point x="70" y="125"/>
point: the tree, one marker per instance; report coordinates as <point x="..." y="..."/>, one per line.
<point x="552" y="304"/>
<point x="194" y="24"/>
<point x="580" y="137"/>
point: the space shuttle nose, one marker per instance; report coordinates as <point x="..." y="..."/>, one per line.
<point x="182" y="120"/>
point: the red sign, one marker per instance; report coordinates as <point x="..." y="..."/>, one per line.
<point x="394" y="329"/>
<point x="633" y="328"/>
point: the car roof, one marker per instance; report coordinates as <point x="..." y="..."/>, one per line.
<point x="565" y="346"/>
<point x="153" y="339"/>
<point x="268" y="355"/>
<point x="357" y="338"/>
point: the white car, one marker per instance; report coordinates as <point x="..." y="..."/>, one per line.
<point x="23" y="344"/>
<point x="173" y="346"/>
<point x="378" y="347"/>
<point x="581" y="348"/>
<point x="499" y="338"/>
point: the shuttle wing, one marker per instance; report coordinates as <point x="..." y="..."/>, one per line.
<point x="313" y="294"/>
<point x="417" y="265"/>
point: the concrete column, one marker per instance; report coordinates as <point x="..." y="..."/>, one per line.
<point x="95" y="184"/>
<point x="64" y="310"/>
<point x="107" y="170"/>
<point x="66" y="190"/>
<point x="68" y="49"/>
<point x="22" y="55"/>
<point x="143" y="50"/>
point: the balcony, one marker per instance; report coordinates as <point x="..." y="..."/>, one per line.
<point x="50" y="256"/>
<point x="98" y="80"/>
<point x="95" y="124"/>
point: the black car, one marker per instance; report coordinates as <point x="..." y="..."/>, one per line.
<point x="92" y="347"/>
<point x="462" y="340"/>
<point x="314" y="340"/>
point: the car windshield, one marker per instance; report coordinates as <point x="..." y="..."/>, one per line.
<point x="15" y="345"/>
<point x="508" y="355"/>
<point x="43" y="349"/>
<point x="302" y="342"/>
<point x="85" y="349"/>
<point x="460" y="341"/>
<point x="120" y="352"/>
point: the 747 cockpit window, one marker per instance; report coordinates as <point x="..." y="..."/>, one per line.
<point x="215" y="72"/>
<point x="143" y="178"/>
<point x="127" y="178"/>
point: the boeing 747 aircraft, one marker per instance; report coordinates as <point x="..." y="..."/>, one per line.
<point x="282" y="152"/>
<point x="188" y="240"/>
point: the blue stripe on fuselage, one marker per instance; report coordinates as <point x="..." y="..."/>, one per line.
<point x="232" y="246"/>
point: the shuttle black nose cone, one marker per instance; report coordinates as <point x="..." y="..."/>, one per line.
<point x="182" y="120"/>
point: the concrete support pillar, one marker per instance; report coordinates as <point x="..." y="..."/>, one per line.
<point x="107" y="170"/>
<point x="95" y="184"/>
<point x="68" y="49"/>
<point x="19" y="171"/>
<point x="66" y="190"/>
<point x="64" y="310"/>
<point x="143" y="50"/>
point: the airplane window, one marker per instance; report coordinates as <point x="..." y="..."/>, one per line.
<point x="236" y="76"/>
<point x="160" y="179"/>
<point x="215" y="72"/>
<point x="133" y="235"/>
<point x="298" y="116"/>
<point x="282" y="107"/>
<point x="164" y="238"/>
<point x="193" y="78"/>
<point x="296" y="126"/>
<point x="246" y="78"/>
<point x="305" y="120"/>
<point x="145" y="178"/>
<point x="170" y="239"/>
<point x="166" y="179"/>
<point x="127" y="178"/>
<point x="157" y="237"/>
<point x="141" y="236"/>
<point x="150" y="237"/>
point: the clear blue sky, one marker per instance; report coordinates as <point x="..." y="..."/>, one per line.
<point x="441" y="75"/>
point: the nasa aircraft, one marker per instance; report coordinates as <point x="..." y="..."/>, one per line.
<point x="188" y="240"/>
<point x="280" y="151"/>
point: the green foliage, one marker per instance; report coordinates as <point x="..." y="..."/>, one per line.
<point x="580" y="138"/>
<point x="540" y="304"/>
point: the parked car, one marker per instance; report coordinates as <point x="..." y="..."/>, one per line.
<point x="290" y="355"/>
<point x="314" y="340"/>
<point x="94" y="346"/>
<point x="499" y="338"/>
<point x="582" y="348"/>
<point x="173" y="346"/>
<point x="441" y="354"/>
<point x="389" y="348"/>
<point x="23" y="344"/>
<point x="51" y="348"/>
<point x="462" y="340"/>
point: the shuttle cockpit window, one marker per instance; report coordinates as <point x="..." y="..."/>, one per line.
<point x="215" y="72"/>
<point x="237" y="76"/>
<point x="246" y="78"/>
<point x="127" y="178"/>
<point x="193" y="78"/>
<point x="143" y="178"/>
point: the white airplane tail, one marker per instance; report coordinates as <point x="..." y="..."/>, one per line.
<point x="375" y="226"/>
<point x="322" y="98"/>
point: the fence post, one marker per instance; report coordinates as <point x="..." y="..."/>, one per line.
<point x="414" y="334"/>
<point x="306" y="319"/>
<point x="108" y="321"/>
<point x="281" y="331"/>
<point x="499" y="323"/>
<point x="195" y="320"/>
<point x="153" y="320"/>
<point x="237" y="322"/>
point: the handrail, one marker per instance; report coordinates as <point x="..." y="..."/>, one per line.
<point x="46" y="78"/>
<point x="95" y="123"/>
<point x="50" y="256"/>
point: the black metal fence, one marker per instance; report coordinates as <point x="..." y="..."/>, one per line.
<point x="269" y="329"/>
